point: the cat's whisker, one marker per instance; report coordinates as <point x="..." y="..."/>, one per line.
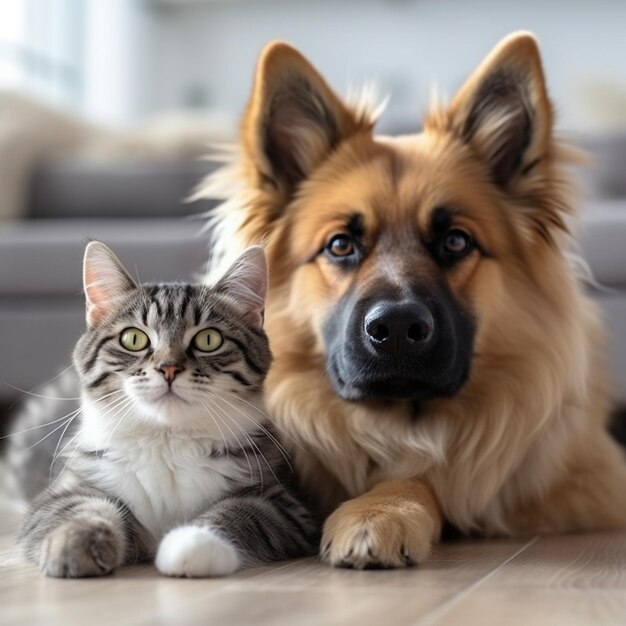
<point x="113" y="412"/>
<point x="56" y="450"/>
<point x="61" y="453"/>
<point x="127" y="408"/>
<point x="248" y="437"/>
<point x="76" y="449"/>
<point x="27" y="430"/>
<point x="270" y="436"/>
<point x="215" y="411"/>
<point x="42" y="386"/>
<point x="254" y="449"/>
<point x="116" y="392"/>
<point x="69" y="458"/>
<point x="57" y="376"/>
<point x="72" y="415"/>
<point x="216" y="415"/>
<point x="55" y="421"/>
<point x="38" y="395"/>
<point x="225" y="442"/>
<point x="56" y="453"/>
<point x="114" y="405"/>
<point x="118" y="404"/>
<point x="266" y="416"/>
<point x="69" y="443"/>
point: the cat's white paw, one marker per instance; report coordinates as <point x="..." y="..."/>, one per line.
<point x="196" y="552"/>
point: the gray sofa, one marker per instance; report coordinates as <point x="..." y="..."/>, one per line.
<point x="137" y="208"/>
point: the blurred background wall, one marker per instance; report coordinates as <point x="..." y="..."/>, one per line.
<point x="119" y="60"/>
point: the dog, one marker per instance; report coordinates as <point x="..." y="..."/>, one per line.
<point x="436" y="359"/>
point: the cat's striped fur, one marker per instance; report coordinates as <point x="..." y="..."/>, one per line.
<point x="171" y="457"/>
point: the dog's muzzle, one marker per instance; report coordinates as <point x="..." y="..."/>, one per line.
<point x="409" y="348"/>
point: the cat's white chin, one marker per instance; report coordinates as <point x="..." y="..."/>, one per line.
<point x="170" y="410"/>
<point x="196" y="552"/>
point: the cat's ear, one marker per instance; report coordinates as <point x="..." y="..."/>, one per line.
<point x="105" y="280"/>
<point x="246" y="282"/>
<point x="503" y="111"/>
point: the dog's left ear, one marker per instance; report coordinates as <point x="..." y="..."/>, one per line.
<point x="503" y="110"/>
<point x="293" y="121"/>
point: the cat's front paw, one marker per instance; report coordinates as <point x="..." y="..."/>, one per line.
<point x="196" y="552"/>
<point x="79" y="548"/>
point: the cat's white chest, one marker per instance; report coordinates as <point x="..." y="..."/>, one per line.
<point x="165" y="482"/>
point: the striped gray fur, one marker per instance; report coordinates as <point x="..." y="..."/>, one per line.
<point x="150" y="450"/>
<point x="265" y="525"/>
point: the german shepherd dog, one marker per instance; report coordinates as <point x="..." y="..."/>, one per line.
<point x="436" y="359"/>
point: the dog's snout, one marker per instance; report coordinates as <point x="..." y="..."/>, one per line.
<point x="398" y="329"/>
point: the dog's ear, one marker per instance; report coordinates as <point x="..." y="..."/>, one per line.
<point x="293" y="120"/>
<point x="503" y="110"/>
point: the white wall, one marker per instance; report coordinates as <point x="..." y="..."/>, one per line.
<point x="205" y="51"/>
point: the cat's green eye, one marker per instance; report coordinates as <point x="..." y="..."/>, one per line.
<point x="208" y="340"/>
<point x="134" y="340"/>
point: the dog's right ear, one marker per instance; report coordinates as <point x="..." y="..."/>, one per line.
<point x="293" y="120"/>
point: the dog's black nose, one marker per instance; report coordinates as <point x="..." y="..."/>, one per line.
<point x="399" y="328"/>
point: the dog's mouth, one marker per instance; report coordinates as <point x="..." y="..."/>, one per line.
<point x="393" y="388"/>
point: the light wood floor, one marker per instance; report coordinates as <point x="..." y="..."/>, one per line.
<point x="566" y="580"/>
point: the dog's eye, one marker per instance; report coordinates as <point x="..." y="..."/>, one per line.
<point x="457" y="242"/>
<point x="340" y="246"/>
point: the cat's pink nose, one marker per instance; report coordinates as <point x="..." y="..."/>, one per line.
<point x="169" y="370"/>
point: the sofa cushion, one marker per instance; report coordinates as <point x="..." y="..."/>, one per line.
<point x="602" y="236"/>
<point x="604" y="177"/>
<point x="130" y="188"/>
<point x="40" y="258"/>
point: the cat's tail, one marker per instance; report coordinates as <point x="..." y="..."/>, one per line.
<point x="40" y="432"/>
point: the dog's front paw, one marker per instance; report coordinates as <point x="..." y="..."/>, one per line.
<point x="369" y="533"/>
<point x="196" y="552"/>
<point x="78" y="548"/>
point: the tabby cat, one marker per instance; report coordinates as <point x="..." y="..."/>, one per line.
<point x="169" y="456"/>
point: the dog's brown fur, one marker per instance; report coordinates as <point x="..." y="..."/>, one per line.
<point x="522" y="447"/>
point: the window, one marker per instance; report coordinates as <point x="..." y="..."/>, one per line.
<point x="41" y="46"/>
